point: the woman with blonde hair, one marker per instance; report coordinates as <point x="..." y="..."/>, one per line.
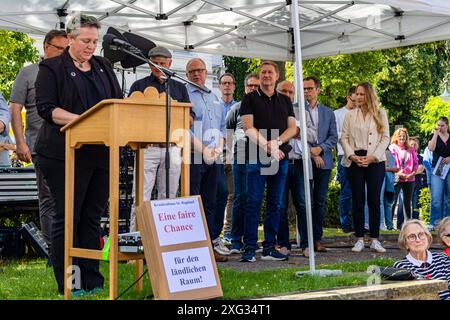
<point x="365" y="137"/>
<point x="405" y="158"/>
<point x="415" y="238"/>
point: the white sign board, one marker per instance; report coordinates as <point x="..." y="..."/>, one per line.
<point x="178" y="221"/>
<point x="178" y="249"/>
<point x="189" y="269"/>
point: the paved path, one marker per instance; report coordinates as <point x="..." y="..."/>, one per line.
<point x="338" y="252"/>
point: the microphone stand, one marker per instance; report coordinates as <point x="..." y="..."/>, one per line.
<point x="168" y="75"/>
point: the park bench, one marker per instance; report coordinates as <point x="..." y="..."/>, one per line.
<point x="18" y="191"/>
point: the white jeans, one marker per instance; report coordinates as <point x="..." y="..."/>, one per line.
<point x="155" y="170"/>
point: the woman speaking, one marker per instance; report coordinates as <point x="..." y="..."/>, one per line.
<point x="67" y="86"/>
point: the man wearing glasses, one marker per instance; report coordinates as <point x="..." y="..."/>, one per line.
<point x="23" y="95"/>
<point x="225" y="188"/>
<point x="345" y="196"/>
<point x="209" y="129"/>
<point x="321" y="153"/>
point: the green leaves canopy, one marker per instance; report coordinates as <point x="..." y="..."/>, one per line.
<point x="16" y="49"/>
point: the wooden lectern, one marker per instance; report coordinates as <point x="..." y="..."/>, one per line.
<point x="136" y="122"/>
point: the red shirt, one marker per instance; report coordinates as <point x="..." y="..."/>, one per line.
<point x="447" y="251"/>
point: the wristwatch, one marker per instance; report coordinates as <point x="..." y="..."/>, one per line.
<point x="279" y="142"/>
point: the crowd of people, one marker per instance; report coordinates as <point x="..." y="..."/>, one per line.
<point x="242" y="152"/>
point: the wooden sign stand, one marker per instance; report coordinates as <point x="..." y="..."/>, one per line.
<point x="135" y="122"/>
<point x="172" y="259"/>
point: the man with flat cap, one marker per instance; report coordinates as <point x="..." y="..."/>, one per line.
<point x="154" y="155"/>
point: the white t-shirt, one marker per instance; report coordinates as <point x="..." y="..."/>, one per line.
<point x="340" y="116"/>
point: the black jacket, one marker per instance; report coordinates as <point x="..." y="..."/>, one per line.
<point x="58" y="84"/>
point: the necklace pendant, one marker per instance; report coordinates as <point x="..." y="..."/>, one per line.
<point x="80" y="65"/>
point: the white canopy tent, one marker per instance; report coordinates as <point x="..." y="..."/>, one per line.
<point x="249" y="28"/>
<point x="252" y="28"/>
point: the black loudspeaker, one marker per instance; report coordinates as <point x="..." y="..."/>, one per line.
<point x="142" y="44"/>
<point x="114" y="55"/>
<point x="34" y="239"/>
<point x="11" y="244"/>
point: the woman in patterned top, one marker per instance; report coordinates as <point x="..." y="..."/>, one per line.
<point x="416" y="239"/>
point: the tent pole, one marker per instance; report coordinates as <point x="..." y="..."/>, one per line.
<point x="301" y="103"/>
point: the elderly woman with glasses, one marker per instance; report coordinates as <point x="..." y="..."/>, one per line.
<point x="416" y="239"/>
<point x="67" y="86"/>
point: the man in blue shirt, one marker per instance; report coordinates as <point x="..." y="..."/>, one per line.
<point x="225" y="187"/>
<point x="209" y="128"/>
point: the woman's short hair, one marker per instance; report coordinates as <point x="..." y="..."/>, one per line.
<point x="81" y="21"/>
<point x="402" y="235"/>
<point x="441" y="227"/>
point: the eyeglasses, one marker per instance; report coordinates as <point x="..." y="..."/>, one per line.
<point x="55" y="46"/>
<point x="413" y="237"/>
<point x="227" y="83"/>
<point x="252" y="85"/>
<point x="308" y="88"/>
<point x="196" y="71"/>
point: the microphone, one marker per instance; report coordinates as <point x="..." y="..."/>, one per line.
<point x="112" y="40"/>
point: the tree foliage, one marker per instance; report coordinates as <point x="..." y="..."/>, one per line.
<point x="434" y="109"/>
<point x="239" y="67"/>
<point x="413" y="74"/>
<point x="16" y="49"/>
<point x="338" y="73"/>
<point x="404" y="78"/>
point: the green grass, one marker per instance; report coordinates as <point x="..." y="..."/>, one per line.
<point x="31" y="279"/>
<point x="237" y="285"/>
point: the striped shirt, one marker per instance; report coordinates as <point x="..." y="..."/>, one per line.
<point x="438" y="268"/>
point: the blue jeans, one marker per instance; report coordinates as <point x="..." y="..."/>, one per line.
<point x="221" y="202"/>
<point x="387" y="205"/>
<point x="321" y="178"/>
<point x="345" y="196"/>
<point x="239" y="202"/>
<point x="275" y="186"/>
<point x="294" y="183"/>
<point x="440" y="202"/>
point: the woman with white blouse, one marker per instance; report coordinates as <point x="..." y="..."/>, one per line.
<point x="365" y="137"/>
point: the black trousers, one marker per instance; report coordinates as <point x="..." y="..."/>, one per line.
<point x="90" y="198"/>
<point x="203" y="182"/>
<point x="373" y="177"/>
<point x="408" y="189"/>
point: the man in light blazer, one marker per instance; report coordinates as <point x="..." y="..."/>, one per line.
<point x="324" y="120"/>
